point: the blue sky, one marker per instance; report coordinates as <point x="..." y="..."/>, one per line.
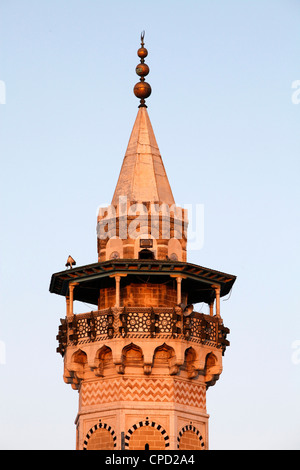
<point x="222" y="111"/>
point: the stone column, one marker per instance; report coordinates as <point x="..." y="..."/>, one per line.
<point x="178" y="279"/>
<point x="70" y="301"/>
<point x="67" y="305"/>
<point x="117" y="279"/>
<point x="217" y="291"/>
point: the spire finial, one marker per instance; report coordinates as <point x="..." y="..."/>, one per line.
<point x="142" y="89"/>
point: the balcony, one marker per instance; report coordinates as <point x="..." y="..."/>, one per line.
<point x="141" y="322"/>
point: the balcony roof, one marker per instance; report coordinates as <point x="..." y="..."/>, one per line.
<point x="197" y="280"/>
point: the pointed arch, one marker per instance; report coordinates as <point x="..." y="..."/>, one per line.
<point x="132" y="356"/>
<point x="189" y="365"/>
<point x="79" y="358"/>
<point x="164" y="357"/>
<point x="104" y="361"/>
<point x="78" y="365"/>
<point x="213" y="369"/>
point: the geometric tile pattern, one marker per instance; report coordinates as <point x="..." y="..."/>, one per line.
<point x="147" y="389"/>
<point x="190" y="394"/>
<point x="89" y="327"/>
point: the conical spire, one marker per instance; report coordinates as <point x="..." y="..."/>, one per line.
<point x="143" y="176"/>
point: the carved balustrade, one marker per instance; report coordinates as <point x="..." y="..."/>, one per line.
<point x="141" y="322"/>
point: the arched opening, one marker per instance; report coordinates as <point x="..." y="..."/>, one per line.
<point x="100" y="437"/>
<point x="211" y="361"/>
<point x="146" y="254"/>
<point x="190" y="438"/>
<point x="104" y="361"/>
<point x="212" y="369"/>
<point x="79" y="357"/>
<point x="164" y="360"/>
<point x="145" y="246"/>
<point x="146" y="435"/>
<point x="132" y="358"/>
<point x="189" y="362"/>
<point x="78" y="367"/>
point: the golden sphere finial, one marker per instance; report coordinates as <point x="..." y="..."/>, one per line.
<point x="142" y="89"/>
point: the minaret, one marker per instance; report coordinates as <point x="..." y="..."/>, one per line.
<point x="143" y="359"/>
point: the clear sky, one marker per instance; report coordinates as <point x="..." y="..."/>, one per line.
<point x="226" y="120"/>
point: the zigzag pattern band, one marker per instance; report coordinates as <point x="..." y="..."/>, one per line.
<point x="149" y="390"/>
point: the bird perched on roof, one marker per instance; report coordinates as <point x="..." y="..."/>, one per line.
<point x="70" y="262"/>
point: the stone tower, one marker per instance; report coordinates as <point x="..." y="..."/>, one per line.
<point x="143" y="359"/>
